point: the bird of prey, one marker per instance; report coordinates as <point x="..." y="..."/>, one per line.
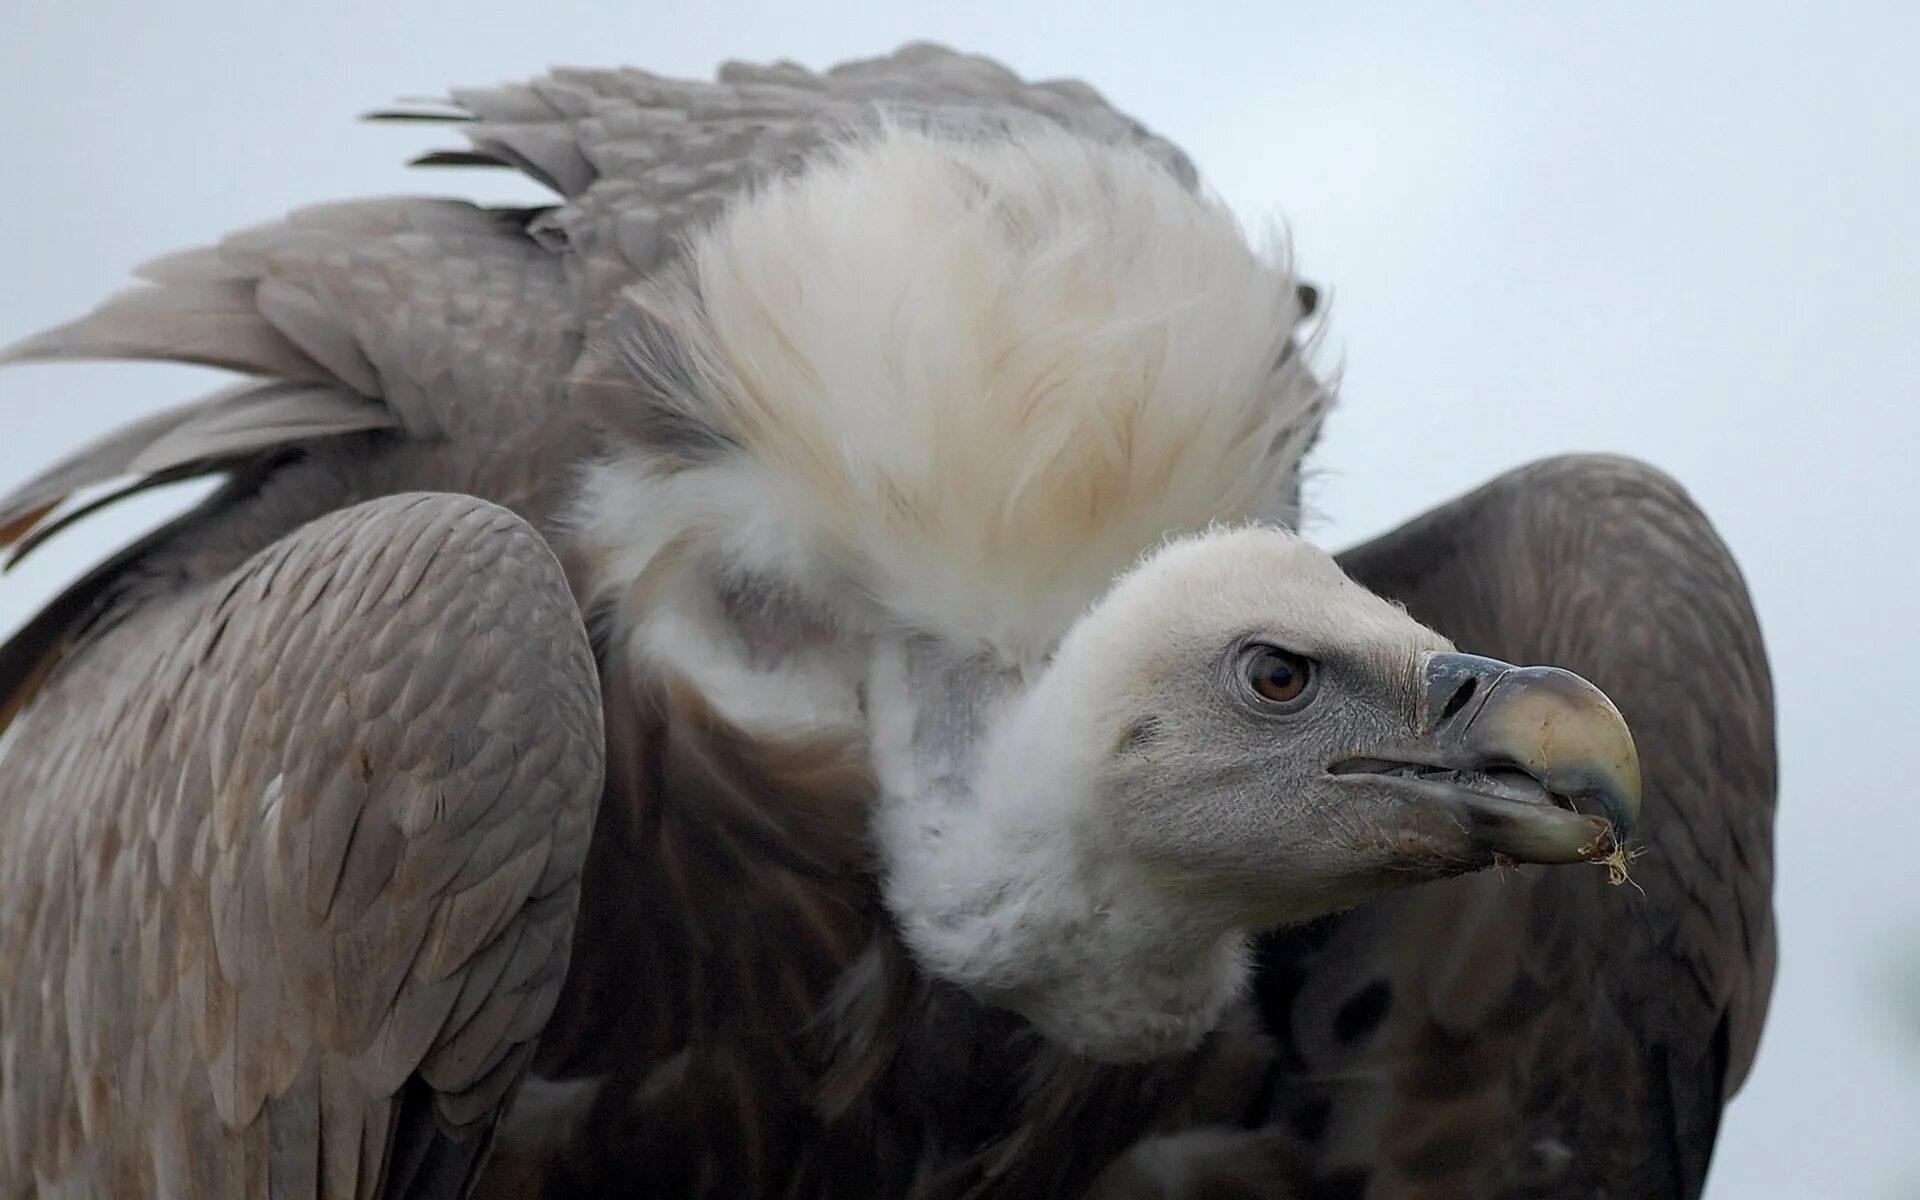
<point x="788" y="672"/>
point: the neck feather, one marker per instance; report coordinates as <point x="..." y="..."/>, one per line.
<point x="998" y="877"/>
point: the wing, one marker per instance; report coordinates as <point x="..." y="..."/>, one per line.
<point x="395" y="345"/>
<point x="416" y="344"/>
<point x="291" y="867"/>
<point x="1538" y="1032"/>
<point x="638" y="158"/>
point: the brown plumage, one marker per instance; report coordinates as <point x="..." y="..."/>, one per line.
<point x="1471" y="1039"/>
<point x="304" y="788"/>
<point x="279" y="928"/>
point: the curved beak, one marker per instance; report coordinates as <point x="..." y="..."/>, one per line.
<point x="1520" y="759"/>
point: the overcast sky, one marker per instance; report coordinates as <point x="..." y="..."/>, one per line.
<point x="1690" y="237"/>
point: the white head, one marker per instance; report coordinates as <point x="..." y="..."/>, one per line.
<point x="895" y="440"/>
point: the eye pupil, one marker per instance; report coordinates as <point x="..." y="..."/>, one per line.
<point x="1278" y="676"/>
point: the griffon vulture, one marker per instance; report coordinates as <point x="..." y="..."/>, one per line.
<point x="785" y="673"/>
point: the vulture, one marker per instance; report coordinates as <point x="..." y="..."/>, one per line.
<point x="790" y="671"/>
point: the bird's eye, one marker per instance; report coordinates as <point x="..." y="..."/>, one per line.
<point x="1277" y="676"/>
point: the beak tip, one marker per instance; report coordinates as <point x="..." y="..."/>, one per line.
<point x="1551" y="723"/>
<point x="1613" y="786"/>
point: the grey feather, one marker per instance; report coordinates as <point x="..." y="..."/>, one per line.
<point x="48" y="526"/>
<point x="213" y="324"/>
<point x="106" y="458"/>
<point x="303" y="318"/>
<point x="258" y="418"/>
<point x="200" y="265"/>
<point x="228" y="732"/>
<point x="191" y="439"/>
<point x="545" y="152"/>
<point x="457" y="158"/>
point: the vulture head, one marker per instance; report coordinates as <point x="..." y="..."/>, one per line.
<point x="977" y="453"/>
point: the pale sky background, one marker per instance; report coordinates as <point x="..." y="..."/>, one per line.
<point x="1688" y="236"/>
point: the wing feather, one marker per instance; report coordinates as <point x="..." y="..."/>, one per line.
<point x="228" y="426"/>
<point x="456" y="318"/>
<point x="419" y="319"/>
<point x="214" y="324"/>
<point x="246" y="421"/>
<point x="639" y="158"/>
<point x="213" y="766"/>
<point x="98" y="461"/>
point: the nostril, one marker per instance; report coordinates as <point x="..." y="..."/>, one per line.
<point x="1460" y="697"/>
<point x="1459" y="687"/>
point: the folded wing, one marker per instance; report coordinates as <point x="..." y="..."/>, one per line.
<point x="292" y="863"/>
<point x="1541" y="1032"/>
